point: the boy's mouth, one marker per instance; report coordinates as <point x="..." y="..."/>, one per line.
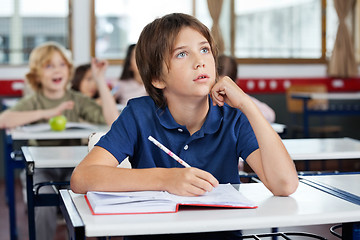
<point x="201" y="77"/>
<point x="57" y="80"/>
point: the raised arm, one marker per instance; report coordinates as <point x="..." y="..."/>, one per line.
<point x="108" y="103"/>
<point x="271" y="162"/>
<point x="11" y="119"/>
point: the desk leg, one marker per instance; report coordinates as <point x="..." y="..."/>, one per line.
<point x="306" y="119"/>
<point x="10" y="197"/>
<point x="30" y="200"/>
<point x="75" y="225"/>
<point x="10" y="165"/>
<point x="351" y="231"/>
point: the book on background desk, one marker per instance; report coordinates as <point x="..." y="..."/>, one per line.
<point x="223" y="196"/>
<point x="43" y="127"/>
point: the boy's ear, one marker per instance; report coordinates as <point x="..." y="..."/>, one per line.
<point x="158" y="83"/>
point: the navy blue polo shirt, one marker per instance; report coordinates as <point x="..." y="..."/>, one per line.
<point x="225" y="136"/>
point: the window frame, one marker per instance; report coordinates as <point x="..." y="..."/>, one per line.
<point x="321" y="60"/>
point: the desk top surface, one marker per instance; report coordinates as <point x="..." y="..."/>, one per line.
<point x="55" y="157"/>
<point x="296" y="210"/>
<point x="322" y="148"/>
<point x="346" y="182"/>
<point x="299" y="149"/>
<point x="278" y="127"/>
<point x="78" y="133"/>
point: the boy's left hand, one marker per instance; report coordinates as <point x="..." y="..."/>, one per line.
<point x="227" y="91"/>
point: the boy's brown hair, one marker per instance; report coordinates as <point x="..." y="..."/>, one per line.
<point x="155" y="46"/>
<point x="39" y="57"/>
<point x="227" y="66"/>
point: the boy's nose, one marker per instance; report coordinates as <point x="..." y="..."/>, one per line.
<point x="56" y="68"/>
<point x="198" y="61"/>
<point x="199" y="65"/>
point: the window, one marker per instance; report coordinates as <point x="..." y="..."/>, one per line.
<point x="257" y="31"/>
<point x="24" y="25"/>
<point x="119" y="23"/>
<point x="278" y="29"/>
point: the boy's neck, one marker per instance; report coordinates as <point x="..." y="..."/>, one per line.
<point x="191" y="114"/>
<point x="53" y="94"/>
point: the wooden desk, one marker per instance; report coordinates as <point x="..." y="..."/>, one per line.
<point x="296" y="210"/>
<point x="15" y="161"/>
<point x="351" y="109"/>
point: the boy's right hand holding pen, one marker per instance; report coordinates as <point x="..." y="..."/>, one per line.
<point x="189" y="181"/>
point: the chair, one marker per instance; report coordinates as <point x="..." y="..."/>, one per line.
<point x="95" y="137"/>
<point x="295" y="108"/>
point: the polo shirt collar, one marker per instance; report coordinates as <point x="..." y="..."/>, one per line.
<point x="211" y="125"/>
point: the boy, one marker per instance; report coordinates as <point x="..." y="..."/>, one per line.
<point x="176" y="59"/>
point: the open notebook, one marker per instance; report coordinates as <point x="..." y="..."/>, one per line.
<point x="224" y="196"/>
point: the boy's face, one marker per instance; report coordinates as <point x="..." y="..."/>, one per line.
<point x="55" y="74"/>
<point x="88" y="85"/>
<point x="192" y="67"/>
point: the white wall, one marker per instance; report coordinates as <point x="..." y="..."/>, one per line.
<point x="81" y="54"/>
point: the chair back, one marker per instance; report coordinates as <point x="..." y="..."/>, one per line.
<point x="95" y="137"/>
<point x="296" y="105"/>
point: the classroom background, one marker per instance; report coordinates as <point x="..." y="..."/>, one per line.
<point x="276" y="43"/>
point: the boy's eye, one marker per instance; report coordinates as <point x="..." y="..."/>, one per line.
<point x="181" y="55"/>
<point x="48" y="66"/>
<point x="205" y="50"/>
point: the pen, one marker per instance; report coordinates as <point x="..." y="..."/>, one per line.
<point x="168" y="152"/>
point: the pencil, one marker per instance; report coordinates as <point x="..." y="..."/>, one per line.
<point x="168" y="152"/>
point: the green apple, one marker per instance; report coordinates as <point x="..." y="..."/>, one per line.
<point x="58" y="123"/>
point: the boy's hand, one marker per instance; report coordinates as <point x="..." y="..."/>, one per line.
<point x="98" y="68"/>
<point x="68" y="105"/>
<point x="189" y="181"/>
<point x="225" y="90"/>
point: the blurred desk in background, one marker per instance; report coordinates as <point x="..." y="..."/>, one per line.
<point x="352" y="108"/>
<point x="13" y="158"/>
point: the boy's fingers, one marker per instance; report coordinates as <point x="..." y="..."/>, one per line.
<point x="218" y="99"/>
<point x="207" y="180"/>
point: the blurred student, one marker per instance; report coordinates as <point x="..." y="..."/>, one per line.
<point x="50" y="71"/>
<point x="208" y="122"/>
<point x="227" y="66"/>
<point x="130" y="84"/>
<point x="84" y="82"/>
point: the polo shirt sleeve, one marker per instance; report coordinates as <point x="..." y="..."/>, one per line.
<point x="122" y="137"/>
<point x="247" y="142"/>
